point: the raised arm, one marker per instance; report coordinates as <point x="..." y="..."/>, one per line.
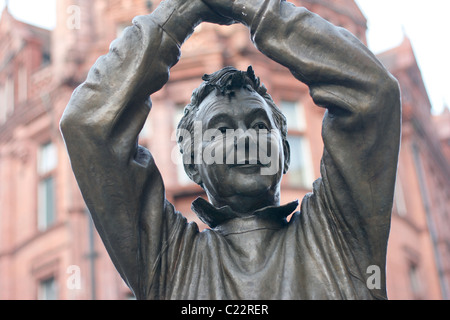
<point x="361" y="127"/>
<point x="119" y="181"/>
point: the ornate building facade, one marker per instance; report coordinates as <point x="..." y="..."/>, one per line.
<point x="48" y="246"/>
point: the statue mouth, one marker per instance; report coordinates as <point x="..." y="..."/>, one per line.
<point x="248" y="164"/>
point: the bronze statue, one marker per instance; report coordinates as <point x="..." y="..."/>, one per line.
<point x="250" y="251"/>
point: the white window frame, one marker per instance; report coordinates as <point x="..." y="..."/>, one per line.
<point x="46" y="165"/>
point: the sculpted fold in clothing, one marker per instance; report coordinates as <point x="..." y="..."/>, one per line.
<point x="323" y="252"/>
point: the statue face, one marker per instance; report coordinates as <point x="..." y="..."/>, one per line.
<point x="239" y="131"/>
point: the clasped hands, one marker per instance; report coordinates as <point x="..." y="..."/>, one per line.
<point x="224" y="12"/>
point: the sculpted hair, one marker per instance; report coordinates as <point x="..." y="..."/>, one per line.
<point x="225" y="82"/>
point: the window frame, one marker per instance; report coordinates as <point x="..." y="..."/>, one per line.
<point x="299" y="130"/>
<point x="42" y="290"/>
<point x="45" y="174"/>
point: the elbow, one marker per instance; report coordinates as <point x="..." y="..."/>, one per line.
<point x="388" y="95"/>
<point x="67" y="123"/>
<point x="81" y="118"/>
<point x="67" y="127"/>
<point x="390" y="86"/>
<point x="71" y="127"/>
<point x="71" y="115"/>
<point x="72" y="120"/>
<point x="77" y="131"/>
<point x="74" y="125"/>
<point x="384" y="97"/>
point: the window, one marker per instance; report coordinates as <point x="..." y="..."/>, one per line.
<point x="300" y="172"/>
<point x="22" y="84"/>
<point x="47" y="289"/>
<point x="46" y="210"/>
<point x="294" y="113"/>
<point x="414" y="278"/>
<point x="47" y="161"/>
<point x="46" y="58"/>
<point x="399" y="199"/>
<point x="47" y="158"/>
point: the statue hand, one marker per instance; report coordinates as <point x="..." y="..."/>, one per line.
<point x="241" y="11"/>
<point x="221" y="7"/>
<point x="200" y="11"/>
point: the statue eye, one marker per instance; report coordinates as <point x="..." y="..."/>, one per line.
<point x="223" y="130"/>
<point x="260" y="126"/>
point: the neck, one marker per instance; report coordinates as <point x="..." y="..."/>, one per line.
<point x="246" y="204"/>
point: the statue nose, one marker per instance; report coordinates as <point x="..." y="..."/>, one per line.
<point x="246" y="139"/>
<point x="245" y="146"/>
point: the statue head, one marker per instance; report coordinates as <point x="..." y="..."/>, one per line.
<point x="234" y="139"/>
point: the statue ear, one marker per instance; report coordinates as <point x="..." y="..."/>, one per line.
<point x="287" y="155"/>
<point x="193" y="174"/>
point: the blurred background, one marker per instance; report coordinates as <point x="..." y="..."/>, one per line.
<point x="49" y="248"/>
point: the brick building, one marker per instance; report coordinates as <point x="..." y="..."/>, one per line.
<point x="420" y="238"/>
<point x="47" y="241"/>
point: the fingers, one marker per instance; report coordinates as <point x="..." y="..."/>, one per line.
<point x="219" y="11"/>
<point x="220" y="7"/>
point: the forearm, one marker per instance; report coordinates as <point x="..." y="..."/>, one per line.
<point x="361" y="129"/>
<point x="136" y="66"/>
<point x="340" y="71"/>
<point x="120" y="183"/>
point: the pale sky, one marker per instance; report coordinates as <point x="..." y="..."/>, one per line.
<point x="426" y="23"/>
